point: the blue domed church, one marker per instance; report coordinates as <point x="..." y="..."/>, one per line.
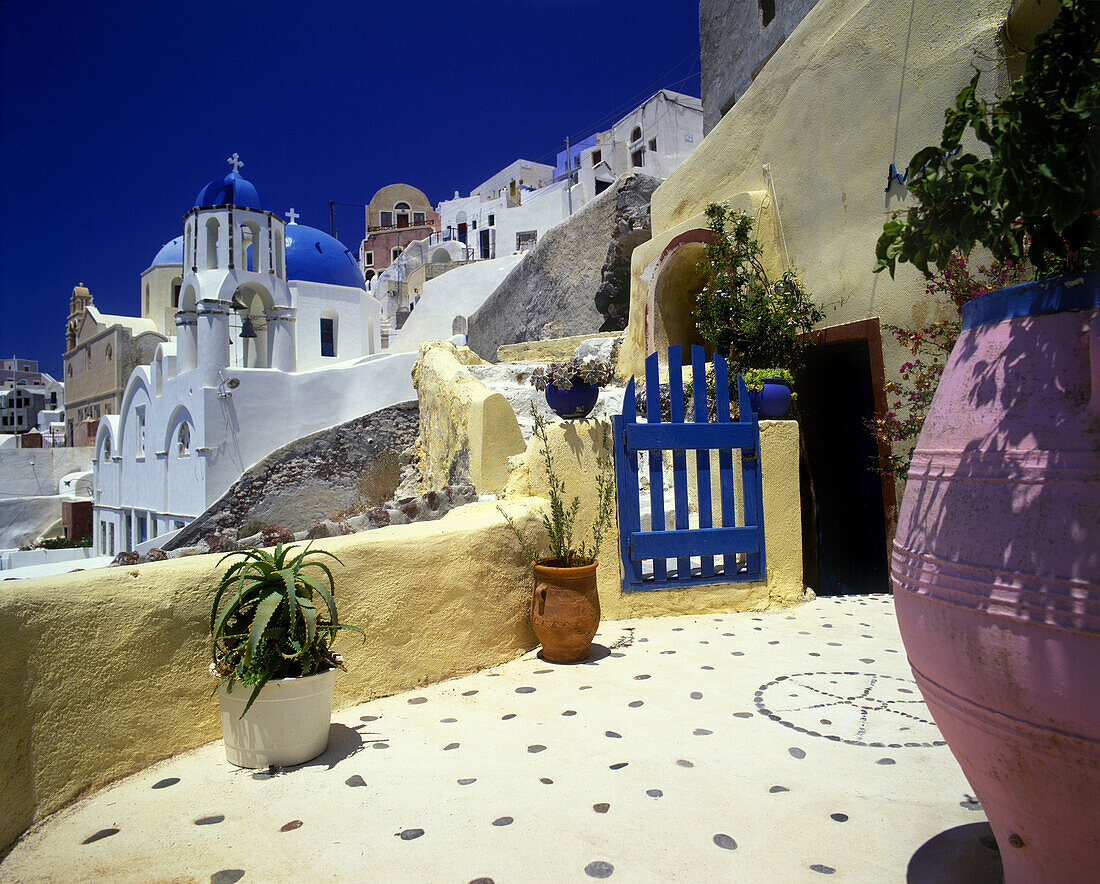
<point x="272" y="336"/>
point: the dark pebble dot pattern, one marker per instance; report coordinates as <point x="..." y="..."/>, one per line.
<point x="536" y="747"/>
<point x="210" y="820"/>
<point x="503" y="821"/>
<point x="508" y="717"/>
<point x="569" y="712"/>
<point x="707" y="668"/>
<point x="525" y="690"/>
<point x="368" y="718"/>
<point x="599" y="869"/>
<point x="654" y="793"/>
<point x="618" y="765"/>
<point x="823" y="869"/>
<point x="468" y="693"/>
<point x="410" y="834"/>
<point x="839" y="817"/>
<point x="447" y="720"/>
<point x="355" y="780"/>
<point x="640" y="677"/>
<point x="100" y="835"/>
<point x="683" y="762"/>
<point x="482" y="880"/>
<point x="451" y="746"/>
<point x="742" y="715"/>
<point x="466" y="781"/>
<point x="724" y="841"/>
<point x="546" y="781"/>
<point x="634" y="704"/>
<point x="737" y="654"/>
<point x="227" y="876"/>
<point x="416" y="701"/>
<point x="702" y="732"/>
<point x="886" y="761"/>
<point x="795" y="752"/>
<point x="164" y="784"/>
<point x="585" y="687"/>
<point x="613" y="735"/>
<point x="695" y="695"/>
<point x="380" y="746"/>
<point x="602" y="807"/>
<point x="775" y="789"/>
<point x="291" y="826"/>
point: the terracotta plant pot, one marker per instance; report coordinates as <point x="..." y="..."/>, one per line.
<point x="565" y="610"/>
<point x="996" y="570"/>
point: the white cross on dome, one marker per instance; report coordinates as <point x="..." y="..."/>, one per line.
<point x="292" y="215"/>
<point x="235" y="161"/>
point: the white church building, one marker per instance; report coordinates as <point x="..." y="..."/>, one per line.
<point x="275" y="338"/>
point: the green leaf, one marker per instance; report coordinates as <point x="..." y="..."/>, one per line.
<point x="264" y="612"/>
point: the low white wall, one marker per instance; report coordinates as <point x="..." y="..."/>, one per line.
<point x="36" y="471"/>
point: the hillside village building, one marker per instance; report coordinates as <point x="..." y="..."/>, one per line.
<point x="275" y="338"/>
<point x="25" y="392"/>
<point x="397" y="215"/>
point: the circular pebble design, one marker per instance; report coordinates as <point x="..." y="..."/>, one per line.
<point x="724" y="841"/>
<point x="503" y="821"/>
<point x="599" y="869"/>
<point x="410" y="834"/>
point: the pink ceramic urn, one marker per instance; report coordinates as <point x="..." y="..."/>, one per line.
<point x="996" y="570"/>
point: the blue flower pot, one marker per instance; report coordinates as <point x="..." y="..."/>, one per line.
<point x="574" y="403"/>
<point x="772" y="401"/>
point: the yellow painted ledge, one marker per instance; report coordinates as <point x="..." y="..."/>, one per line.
<point x="104" y="672"/>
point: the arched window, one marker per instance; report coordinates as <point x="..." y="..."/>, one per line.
<point x="212" y="244"/>
<point x="177" y="283"/>
<point x="635" y="134"/>
<point x="109" y="353"/>
<point x="401" y="211"/>
<point x="107" y="448"/>
<point x="280" y="265"/>
<point x="186" y="245"/>
<point x="183" y="440"/>
<point x="145" y="312"/>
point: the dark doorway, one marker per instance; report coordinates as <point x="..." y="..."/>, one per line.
<point x="462" y="232"/>
<point x="844" y="523"/>
<point x="484" y="237"/>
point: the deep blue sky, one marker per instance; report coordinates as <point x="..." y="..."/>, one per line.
<point x="114" y="115"/>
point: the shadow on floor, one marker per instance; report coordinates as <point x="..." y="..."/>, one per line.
<point x="598" y="652"/>
<point x="961" y="855"/>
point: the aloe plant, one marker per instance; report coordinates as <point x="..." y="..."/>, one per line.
<point x="276" y="621"/>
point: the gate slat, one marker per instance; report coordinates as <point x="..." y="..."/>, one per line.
<point x="751" y="484"/>
<point x="728" y="504"/>
<point x="626" y="479"/>
<point x="656" y="464"/>
<point x="695" y="541"/>
<point x="679" y="457"/>
<point x="702" y="456"/>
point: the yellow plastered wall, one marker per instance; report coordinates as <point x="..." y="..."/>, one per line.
<point x="105" y="672"/>
<point x="860" y="84"/>
<point x="575" y="448"/>
<point x="461" y="420"/>
<point x="551" y="350"/>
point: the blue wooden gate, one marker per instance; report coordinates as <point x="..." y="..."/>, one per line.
<point x="732" y="552"/>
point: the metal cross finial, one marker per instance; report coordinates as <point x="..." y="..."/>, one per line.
<point x="292" y="215"/>
<point x="235" y="161"/>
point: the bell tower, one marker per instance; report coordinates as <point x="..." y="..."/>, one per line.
<point x="78" y="301"/>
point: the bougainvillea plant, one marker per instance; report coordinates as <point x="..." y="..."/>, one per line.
<point x="911" y="394"/>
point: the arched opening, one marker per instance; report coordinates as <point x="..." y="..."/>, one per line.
<point x="248" y="328"/>
<point x="401" y="212"/>
<point x="250" y="247"/>
<point x="187" y="245"/>
<point x="212" y="244"/>
<point x="636" y="134"/>
<point x="177" y="284"/>
<point x="187" y="332"/>
<point x="183" y="440"/>
<point x="330" y="326"/>
<point x="460" y="221"/>
<point x="441" y="256"/>
<point x="673" y="291"/>
<point x="369" y="275"/>
<point x="145" y="303"/>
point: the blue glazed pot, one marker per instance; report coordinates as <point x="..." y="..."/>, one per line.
<point x="574" y="403"/>
<point x="772" y="401"/>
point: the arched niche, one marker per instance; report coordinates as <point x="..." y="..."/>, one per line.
<point x="675" y="283"/>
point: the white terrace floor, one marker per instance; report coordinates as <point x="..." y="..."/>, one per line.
<point x="784" y="746"/>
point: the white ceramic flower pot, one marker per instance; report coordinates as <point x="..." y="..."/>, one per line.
<point x="288" y="724"/>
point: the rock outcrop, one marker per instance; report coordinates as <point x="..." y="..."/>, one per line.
<point x="576" y="279"/>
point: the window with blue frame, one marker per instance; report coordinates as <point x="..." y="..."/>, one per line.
<point x="328" y="337"/>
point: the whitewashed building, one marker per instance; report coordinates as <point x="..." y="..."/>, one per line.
<point x="275" y="338"/>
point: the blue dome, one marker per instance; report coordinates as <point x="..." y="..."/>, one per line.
<point x="170" y="253"/>
<point x="233" y="190"/>
<point x="313" y="256"/>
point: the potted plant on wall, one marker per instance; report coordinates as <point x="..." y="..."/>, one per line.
<point x="572" y="387"/>
<point x="271" y="626"/>
<point x="759" y="324"/>
<point x="995" y="572"/>
<point x="565" y="606"/>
